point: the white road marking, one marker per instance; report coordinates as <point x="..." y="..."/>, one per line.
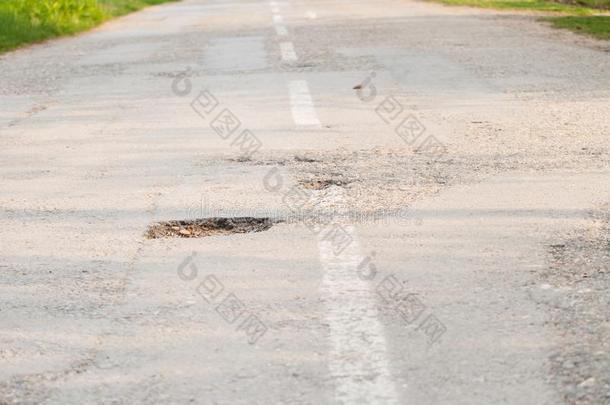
<point x="277" y="18"/>
<point x="281" y="31"/>
<point x="275" y="9"/>
<point x="288" y="53"/>
<point x="272" y="3"/>
<point x="358" y="357"/>
<point x="303" y="110"/>
<point x="311" y="15"/>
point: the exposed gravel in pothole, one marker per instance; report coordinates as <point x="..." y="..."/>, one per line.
<point x="372" y="179"/>
<point x="321" y="184"/>
<point x="199" y="228"/>
<point x="305" y="159"/>
<point x="390" y="180"/>
<point x="580" y="269"/>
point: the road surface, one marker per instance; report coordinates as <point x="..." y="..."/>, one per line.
<point x="437" y="180"/>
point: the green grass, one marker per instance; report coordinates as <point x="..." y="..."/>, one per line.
<point x="597" y="26"/>
<point x="580" y="15"/>
<point x="599" y="4"/>
<point x="27" y="21"/>
<point x="536" y="5"/>
<point x="121" y="7"/>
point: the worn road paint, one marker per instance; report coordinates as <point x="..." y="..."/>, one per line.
<point x="358" y="358"/>
<point x="281" y="31"/>
<point x="303" y="110"/>
<point x="288" y="53"/>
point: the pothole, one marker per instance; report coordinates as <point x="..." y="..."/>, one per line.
<point x="305" y="159"/>
<point x="199" y="228"/>
<point x="322" y="184"/>
<point x="241" y="159"/>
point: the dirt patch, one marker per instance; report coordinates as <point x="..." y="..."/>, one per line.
<point x="199" y="228"/>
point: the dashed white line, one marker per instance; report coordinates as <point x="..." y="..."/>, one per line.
<point x="288" y="53"/>
<point x="311" y="15"/>
<point x="275" y="9"/>
<point x="358" y="356"/>
<point x="303" y="110"/>
<point x="280" y="30"/>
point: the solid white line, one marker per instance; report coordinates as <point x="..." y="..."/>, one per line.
<point x="358" y="357"/>
<point x="280" y="30"/>
<point x="288" y="53"/>
<point x="303" y="110"/>
<point x="277" y="18"/>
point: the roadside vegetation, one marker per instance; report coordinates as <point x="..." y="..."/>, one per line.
<point x="597" y="26"/>
<point x="582" y="16"/>
<point x="27" y="21"/>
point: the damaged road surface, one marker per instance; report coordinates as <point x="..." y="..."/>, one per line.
<point x="206" y="227"/>
<point x="394" y="202"/>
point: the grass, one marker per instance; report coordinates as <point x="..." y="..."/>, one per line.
<point x="596" y="26"/>
<point x="537" y="5"/>
<point x="116" y="8"/>
<point x="579" y="15"/>
<point x="27" y="21"/>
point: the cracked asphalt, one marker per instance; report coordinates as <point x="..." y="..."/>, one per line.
<point x="437" y="178"/>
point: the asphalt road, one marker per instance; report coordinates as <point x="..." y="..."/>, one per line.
<point x="439" y="235"/>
